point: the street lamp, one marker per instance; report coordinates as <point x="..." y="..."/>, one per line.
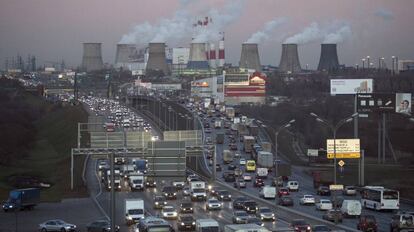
<point x="334" y="129"/>
<point x="276" y="136"/>
<point x="368" y="62"/>
<point x="363" y="64"/>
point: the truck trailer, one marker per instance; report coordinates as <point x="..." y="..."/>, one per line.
<point x="20" y="199"/>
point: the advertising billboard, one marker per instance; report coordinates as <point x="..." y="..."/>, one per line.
<point x="351" y="86"/>
<point x="403" y="103"/>
<point x="375" y="102"/>
<point x="345" y="148"/>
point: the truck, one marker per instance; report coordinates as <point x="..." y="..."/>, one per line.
<point x="230" y="112"/>
<point x="265" y="159"/>
<point x="136" y="182"/>
<point x="266" y="146"/>
<point x="141" y="165"/>
<point x="217" y="124"/>
<point x="134" y="210"/>
<point x="244" y="228"/>
<point x="227" y="156"/>
<point x="220" y="138"/>
<point x="268" y="192"/>
<point x="322" y="178"/>
<point x="243" y="130"/>
<point x="248" y="142"/>
<point x="198" y="190"/>
<point x="127" y="169"/>
<point x="284" y="170"/>
<point x="21" y="199"/>
<point x="203" y="225"/>
<point x="254" y="130"/>
<point x="262" y="173"/>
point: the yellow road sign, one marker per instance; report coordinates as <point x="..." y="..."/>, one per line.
<point x="341" y="163"/>
<point x="353" y="155"/>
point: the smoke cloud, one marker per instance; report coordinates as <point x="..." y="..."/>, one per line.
<point x="329" y="33"/>
<point x="264" y="34"/>
<point x="308" y="35"/>
<point x="384" y="14"/>
<point x="338" y="36"/>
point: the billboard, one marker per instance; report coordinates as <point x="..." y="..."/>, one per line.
<point x="375" y="102"/>
<point x="345" y="148"/>
<point x="313" y="152"/>
<point x="403" y="103"/>
<point x="351" y="86"/>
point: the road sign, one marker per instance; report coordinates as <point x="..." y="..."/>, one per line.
<point x="333" y="187"/>
<point x="341" y="163"/>
<point x="344" y="148"/>
<point x="313" y="152"/>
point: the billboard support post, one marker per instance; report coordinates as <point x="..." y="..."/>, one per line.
<point x="379" y="140"/>
<point x="383" y="137"/>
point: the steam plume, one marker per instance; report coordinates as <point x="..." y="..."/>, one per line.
<point x="264" y="34"/>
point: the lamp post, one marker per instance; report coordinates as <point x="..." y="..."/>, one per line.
<point x="393" y="61"/>
<point x="363" y="64"/>
<point x="368" y="62"/>
<point x="276" y="136"/>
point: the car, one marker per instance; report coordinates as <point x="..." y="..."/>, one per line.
<point x="218" y="168"/>
<point x="186" y="207"/>
<point x="367" y="223"/>
<point x="240" y="184"/>
<point x="178" y="184"/>
<point x="186" y="191"/>
<point x="229" y="177"/>
<point x="250" y="206"/>
<point x="283" y="192"/>
<point x="254" y="220"/>
<point x="402" y="222"/>
<point x="286" y="201"/>
<point x="207" y="130"/>
<point x="258" y="182"/>
<point x="233" y="146"/>
<point x="238" y="172"/>
<point x="247" y="177"/>
<point x="320" y="228"/>
<point x="277" y="181"/>
<point x="331" y="214"/>
<point x="103" y="164"/>
<point x="192" y="177"/>
<point x="170" y="192"/>
<point x="231" y="167"/>
<point x="240" y="217"/>
<point x="223" y="195"/>
<point x="56" y="225"/>
<point x="150" y="183"/>
<point x="186" y="222"/>
<point x="350" y="191"/>
<point x="265" y="214"/>
<point x="238" y="202"/>
<point x="100" y="226"/>
<point x="337" y="201"/>
<point x="159" y="201"/>
<point x="307" y="200"/>
<point x="299" y="225"/>
<point x="324" y="204"/>
<point x="214" y="190"/>
<point x="242" y="161"/>
<point x="213" y="204"/>
<point x="169" y="212"/>
<point x="323" y="191"/>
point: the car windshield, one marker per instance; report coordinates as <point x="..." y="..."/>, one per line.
<point x="265" y="210"/>
<point x="199" y="190"/>
<point x="241" y="214"/>
<point x="321" y="228"/>
<point x="224" y="193"/>
<point x="370" y="219"/>
<point x="299" y="222"/>
<point x="137" y="181"/>
<point x="159" y="198"/>
<point x="250" y="203"/>
<point x="135" y="211"/>
<point x="213" y="201"/>
<point x="390" y="195"/>
<point x="186" y="204"/>
<point x="168" y="209"/>
<point x="159" y="229"/>
<point x="60" y="222"/>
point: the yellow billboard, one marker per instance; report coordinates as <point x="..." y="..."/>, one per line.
<point x="345" y="148"/>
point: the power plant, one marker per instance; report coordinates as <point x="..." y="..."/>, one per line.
<point x="198" y="56"/>
<point x="92" y="57"/>
<point x="124" y="54"/>
<point x="156" y="58"/>
<point x="249" y="58"/>
<point x="329" y="58"/>
<point x="289" y="62"/>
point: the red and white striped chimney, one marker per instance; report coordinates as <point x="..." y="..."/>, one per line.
<point x="221" y="52"/>
<point x="212" y="57"/>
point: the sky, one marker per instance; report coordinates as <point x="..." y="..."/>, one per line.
<point x="55" y="29"/>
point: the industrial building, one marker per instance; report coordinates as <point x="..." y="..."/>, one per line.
<point x="92" y="57"/>
<point x="249" y="58"/>
<point x="405" y="66"/>
<point x="157" y="58"/>
<point x="328" y="61"/>
<point x="289" y="62"/>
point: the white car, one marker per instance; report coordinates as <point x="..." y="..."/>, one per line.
<point x="242" y="161"/>
<point x="350" y="190"/>
<point x="307" y="200"/>
<point x="169" y="212"/>
<point x="213" y="203"/>
<point x="247" y="177"/>
<point x="56" y="225"/>
<point x="324" y="204"/>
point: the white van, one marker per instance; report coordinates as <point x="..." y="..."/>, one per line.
<point x="351" y="208"/>
<point x="292" y="185"/>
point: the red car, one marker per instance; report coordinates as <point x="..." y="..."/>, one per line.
<point x="283" y="192"/>
<point x="367" y="223"/>
<point x="258" y="182"/>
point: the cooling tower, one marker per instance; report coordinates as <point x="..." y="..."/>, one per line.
<point x="156" y="58"/>
<point x="289" y="62"/>
<point x="329" y="58"/>
<point x="249" y="58"/>
<point x="125" y="53"/>
<point x="198" y="58"/>
<point x="92" y="57"/>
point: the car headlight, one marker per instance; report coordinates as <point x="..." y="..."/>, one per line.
<point x="191" y="208"/>
<point x="129" y="217"/>
<point x="165" y="202"/>
<point x="221" y="196"/>
<point x="175" y="194"/>
<point x="182" y="223"/>
<point x="229" y="195"/>
<point x="156" y="203"/>
<point x="193" y="223"/>
<point x="308" y="228"/>
<point x="273" y="214"/>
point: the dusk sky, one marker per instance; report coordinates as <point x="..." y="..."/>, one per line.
<point x="54" y="29"/>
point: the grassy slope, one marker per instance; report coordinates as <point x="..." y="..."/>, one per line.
<point x="50" y="158"/>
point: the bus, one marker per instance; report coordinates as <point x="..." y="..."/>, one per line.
<point x="153" y="224"/>
<point x="380" y="198"/>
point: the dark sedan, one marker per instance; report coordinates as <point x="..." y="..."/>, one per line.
<point x="223" y="195"/>
<point x="100" y="226"/>
<point x="286" y="201"/>
<point x="331" y="214"/>
<point x="259" y="182"/>
<point x="186" y="222"/>
<point x="238" y="203"/>
<point x="324" y="191"/>
<point x="186" y="207"/>
<point x="299" y="225"/>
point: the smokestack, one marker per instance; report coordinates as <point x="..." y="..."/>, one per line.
<point x="213" y="60"/>
<point x="289" y="61"/>
<point x="156" y="58"/>
<point x="249" y="58"/>
<point x="198" y="58"/>
<point x="92" y="57"/>
<point x="329" y="58"/>
<point x="124" y="54"/>
<point x="221" y="51"/>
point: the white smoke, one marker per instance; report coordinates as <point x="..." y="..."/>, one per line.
<point x="264" y="34"/>
<point x="308" y="35"/>
<point x="339" y="35"/>
<point x="384" y="14"/>
<point x="330" y="33"/>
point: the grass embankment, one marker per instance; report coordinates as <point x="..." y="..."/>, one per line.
<point x="49" y="159"/>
